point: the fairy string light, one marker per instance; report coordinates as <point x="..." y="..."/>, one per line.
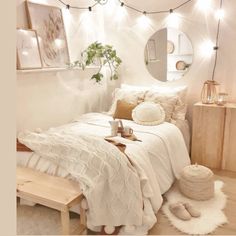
<point x="154" y="12"/>
<point x="68" y="6"/>
<point x="144" y="12"/>
<point x="123" y="4"/>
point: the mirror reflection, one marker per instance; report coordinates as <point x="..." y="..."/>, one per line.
<point x="168" y="54"/>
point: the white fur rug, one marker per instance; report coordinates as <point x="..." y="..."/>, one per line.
<point x="212" y="214"/>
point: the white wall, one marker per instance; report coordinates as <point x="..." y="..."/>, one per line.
<point x="46" y="99"/>
<point x="130" y="41"/>
<point x="59" y="104"/>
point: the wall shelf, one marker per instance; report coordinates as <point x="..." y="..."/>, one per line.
<point x="176" y="71"/>
<point x="54" y="69"/>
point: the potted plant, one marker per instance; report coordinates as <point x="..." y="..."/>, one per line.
<point x="103" y="55"/>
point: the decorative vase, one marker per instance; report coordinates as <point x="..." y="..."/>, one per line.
<point x="209" y="92"/>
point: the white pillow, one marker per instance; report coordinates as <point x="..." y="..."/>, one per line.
<point x="178" y="93"/>
<point x="148" y="113"/>
<point x="167" y="101"/>
<point x="175" y="108"/>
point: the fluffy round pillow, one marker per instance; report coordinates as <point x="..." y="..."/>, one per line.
<point x="148" y="113"/>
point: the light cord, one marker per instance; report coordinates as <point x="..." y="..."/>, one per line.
<point x="68" y="6"/>
<point x="153" y="12"/>
<point x="217" y="43"/>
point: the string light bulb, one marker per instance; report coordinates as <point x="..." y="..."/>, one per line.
<point x="90" y="8"/>
<point x="143" y="20"/>
<point x="68" y="6"/>
<point x="58" y="42"/>
<point x="173" y="19"/>
<point x="207" y="48"/>
<point x="120" y="14"/>
<point x="25" y="53"/>
<point x="122" y="4"/>
<point x="204" y="5"/>
<point x="219" y="14"/>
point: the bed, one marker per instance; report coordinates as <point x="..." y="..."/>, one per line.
<point x="165" y="147"/>
<point x="122" y="188"/>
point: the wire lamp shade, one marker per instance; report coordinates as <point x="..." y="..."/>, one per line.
<point x="210" y="91"/>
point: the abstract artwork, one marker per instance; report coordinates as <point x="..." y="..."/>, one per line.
<point x="48" y="22"/>
<point x="27" y="48"/>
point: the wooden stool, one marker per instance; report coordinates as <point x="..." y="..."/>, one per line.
<point x="51" y="191"/>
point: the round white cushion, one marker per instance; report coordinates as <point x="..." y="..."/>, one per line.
<point x="148" y="113"/>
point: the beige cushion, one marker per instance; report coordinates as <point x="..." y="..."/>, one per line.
<point x="181" y="105"/>
<point x="124" y="110"/>
<point x="196" y="182"/>
<point x="180" y="92"/>
<point x="128" y="95"/>
<point x="148" y="113"/>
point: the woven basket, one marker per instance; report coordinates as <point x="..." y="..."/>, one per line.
<point x="196" y="182"/>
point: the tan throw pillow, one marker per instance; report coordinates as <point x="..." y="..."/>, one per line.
<point x="124" y="110"/>
<point x="128" y="95"/>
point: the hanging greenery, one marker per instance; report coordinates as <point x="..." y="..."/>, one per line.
<point x="101" y="55"/>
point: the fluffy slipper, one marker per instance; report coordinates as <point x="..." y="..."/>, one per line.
<point x="192" y="211"/>
<point x="179" y="211"/>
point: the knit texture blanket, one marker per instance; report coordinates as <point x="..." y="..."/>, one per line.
<point x="109" y="182"/>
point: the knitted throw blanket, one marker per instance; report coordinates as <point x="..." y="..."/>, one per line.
<point x="117" y="192"/>
<point x="109" y="182"/>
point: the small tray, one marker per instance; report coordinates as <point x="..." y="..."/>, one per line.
<point x="131" y="137"/>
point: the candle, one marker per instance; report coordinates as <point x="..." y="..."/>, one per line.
<point x="221" y="100"/>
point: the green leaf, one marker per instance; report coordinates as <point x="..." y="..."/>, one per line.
<point x="103" y="53"/>
<point x="98" y="77"/>
<point x="115" y="77"/>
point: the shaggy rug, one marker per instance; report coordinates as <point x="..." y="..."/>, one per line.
<point x="212" y="214"/>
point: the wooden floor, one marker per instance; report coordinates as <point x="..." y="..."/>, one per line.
<point x="163" y="227"/>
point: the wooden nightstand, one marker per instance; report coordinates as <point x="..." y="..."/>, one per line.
<point x="214" y="136"/>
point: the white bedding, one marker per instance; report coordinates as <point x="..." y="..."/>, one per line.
<point x="183" y="126"/>
<point x="162" y="147"/>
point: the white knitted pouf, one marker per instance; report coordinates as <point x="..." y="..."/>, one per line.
<point x="196" y="182"/>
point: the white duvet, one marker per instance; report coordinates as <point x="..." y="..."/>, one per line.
<point x="118" y="192"/>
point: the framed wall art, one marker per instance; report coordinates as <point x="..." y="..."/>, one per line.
<point x="48" y="22"/>
<point x="27" y="49"/>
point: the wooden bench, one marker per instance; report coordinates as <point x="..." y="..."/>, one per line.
<point x="51" y="191"/>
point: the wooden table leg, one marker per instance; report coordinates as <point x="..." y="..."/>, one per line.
<point x="65" y="221"/>
<point x="83" y="220"/>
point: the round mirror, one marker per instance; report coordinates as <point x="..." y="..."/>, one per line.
<point x="168" y="54"/>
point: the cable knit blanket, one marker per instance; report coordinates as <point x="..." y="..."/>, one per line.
<point x="117" y="192"/>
